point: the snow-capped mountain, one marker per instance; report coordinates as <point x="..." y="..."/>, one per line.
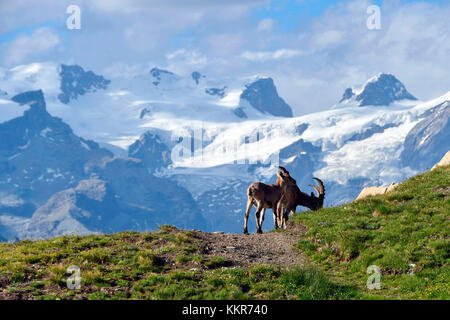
<point x="381" y="90"/>
<point x="187" y="147"/>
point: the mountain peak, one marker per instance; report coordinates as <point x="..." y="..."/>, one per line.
<point x="76" y="82"/>
<point x="196" y="76"/>
<point x="159" y="74"/>
<point x="263" y="96"/>
<point x="380" y="90"/>
<point x="33" y="98"/>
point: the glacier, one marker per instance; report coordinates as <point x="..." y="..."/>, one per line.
<point x="231" y="131"/>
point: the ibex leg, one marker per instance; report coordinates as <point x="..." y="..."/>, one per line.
<point x="257" y="214"/>
<point x="261" y="220"/>
<point x="247" y="213"/>
<point x="286" y="214"/>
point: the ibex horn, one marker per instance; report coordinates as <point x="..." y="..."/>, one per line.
<point x="322" y="187"/>
<point x="316" y="188"/>
<point x="282" y="169"/>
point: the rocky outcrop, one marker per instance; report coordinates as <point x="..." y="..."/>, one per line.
<point x="374" y="191"/>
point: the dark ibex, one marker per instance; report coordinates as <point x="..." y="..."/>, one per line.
<point x="265" y="196"/>
<point x="293" y="197"/>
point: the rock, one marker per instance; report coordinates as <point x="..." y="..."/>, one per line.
<point x="220" y="92"/>
<point x="392" y="187"/>
<point x="373" y="191"/>
<point x="377" y="214"/>
<point x="445" y="161"/>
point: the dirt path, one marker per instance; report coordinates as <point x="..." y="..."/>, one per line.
<point x="273" y="248"/>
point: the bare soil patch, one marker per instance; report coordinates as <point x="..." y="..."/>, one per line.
<point x="272" y="248"/>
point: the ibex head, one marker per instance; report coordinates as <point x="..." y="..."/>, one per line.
<point x="284" y="178"/>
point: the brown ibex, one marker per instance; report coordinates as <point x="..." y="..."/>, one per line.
<point x="264" y="196"/>
<point x="293" y="197"/>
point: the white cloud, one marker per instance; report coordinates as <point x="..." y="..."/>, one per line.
<point x="266" y="25"/>
<point x="124" y="70"/>
<point x="39" y="41"/>
<point x="225" y="43"/>
<point x="271" y="55"/>
<point x="326" y="39"/>
<point x="183" y="61"/>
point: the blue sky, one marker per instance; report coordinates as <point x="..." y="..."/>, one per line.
<point x="313" y="49"/>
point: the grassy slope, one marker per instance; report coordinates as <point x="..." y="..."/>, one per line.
<point x="410" y="225"/>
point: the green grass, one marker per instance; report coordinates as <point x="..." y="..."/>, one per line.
<point x="168" y="264"/>
<point x="410" y="225"/>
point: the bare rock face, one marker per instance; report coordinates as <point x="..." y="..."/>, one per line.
<point x="151" y="150"/>
<point x="263" y="96"/>
<point x="76" y="82"/>
<point x="373" y="191"/>
<point x="445" y="161"/>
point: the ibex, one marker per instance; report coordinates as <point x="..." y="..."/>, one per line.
<point x="265" y="196"/>
<point x="293" y="197"/>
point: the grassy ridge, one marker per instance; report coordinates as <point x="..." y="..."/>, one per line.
<point x="406" y="233"/>
<point x="167" y="264"/>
